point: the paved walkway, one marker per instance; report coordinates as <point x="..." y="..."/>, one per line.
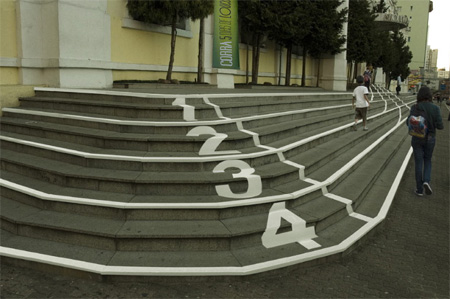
<point x="408" y="257"/>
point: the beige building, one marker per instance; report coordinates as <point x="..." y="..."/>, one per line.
<point x="92" y="43"/>
<point x="416" y="33"/>
<point x="431" y="59"/>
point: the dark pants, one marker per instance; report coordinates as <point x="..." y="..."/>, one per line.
<point x="423" y="150"/>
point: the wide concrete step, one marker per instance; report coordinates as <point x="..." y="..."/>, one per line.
<point x="329" y="238"/>
<point x="141" y="179"/>
<point x="289" y="198"/>
<point x="321" y="210"/>
<point x="65" y="139"/>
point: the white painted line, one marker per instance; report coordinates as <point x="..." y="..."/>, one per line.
<point x="345" y="201"/>
<point x="361" y="217"/>
<point x="309" y="244"/>
<point x="331" y="179"/>
<point x="128" y="205"/>
<point x="217" y="271"/>
<point x="210" y="271"/>
<point x="122" y="122"/>
<point x="257" y="200"/>
<point x="173" y="96"/>
<point x="255" y="137"/>
<point x="349" y="207"/>
<point x="216" y="108"/>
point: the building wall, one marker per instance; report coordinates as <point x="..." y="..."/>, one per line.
<point x="417" y="32"/>
<point x="91" y="43"/>
<point x="8" y="43"/>
<point x="10" y="87"/>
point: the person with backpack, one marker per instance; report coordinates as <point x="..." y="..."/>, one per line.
<point x="367" y="77"/>
<point x="360" y="103"/>
<point x="423" y="120"/>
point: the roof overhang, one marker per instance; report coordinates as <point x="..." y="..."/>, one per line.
<point x="391" y="22"/>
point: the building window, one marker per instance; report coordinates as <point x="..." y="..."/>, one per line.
<point x="183" y="27"/>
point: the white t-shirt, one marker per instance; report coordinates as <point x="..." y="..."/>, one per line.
<point x="359" y="93"/>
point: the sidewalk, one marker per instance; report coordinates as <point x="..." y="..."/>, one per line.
<point x="408" y="257"/>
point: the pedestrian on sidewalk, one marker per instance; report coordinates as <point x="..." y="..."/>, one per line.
<point x="367" y="77"/>
<point x="423" y="147"/>
<point x="360" y="102"/>
<point x="399" y="84"/>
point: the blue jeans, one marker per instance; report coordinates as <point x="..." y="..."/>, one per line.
<point x="423" y="150"/>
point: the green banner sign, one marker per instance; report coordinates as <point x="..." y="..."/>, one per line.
<point x="226" y="38"/>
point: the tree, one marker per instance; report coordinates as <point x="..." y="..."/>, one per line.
<point x="325" y="35"/>
<point x="254" y="19"/>
<point x="199" y="10"/>
<point x="361" y="34"/>
<point x="396" y="57"/>
<point x="289" y="22"/>
<point x="163" y="13"/>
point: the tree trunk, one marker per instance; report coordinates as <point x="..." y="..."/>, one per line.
<point x="246" y="65"/>
<point x="172" y="47"/>
<point x="304" y="68"/>
<point x="318" y="71"/>
<point x="279" y="67"/>
<point x="255" y="60"/>
<point x="201" y="40"/>
<point x="288" y="65"/>
<point x="349" y="72"/>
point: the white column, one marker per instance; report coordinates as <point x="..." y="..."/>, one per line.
<point x="85" y="43"/>
<point x="64" y="43"/>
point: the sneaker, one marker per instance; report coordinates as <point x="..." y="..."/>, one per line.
<point x="418" y="193"/>
<point x="366" y="128"/>
<point x="427" y="188"/>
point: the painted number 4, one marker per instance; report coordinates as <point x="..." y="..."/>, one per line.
<point x="300" y="233"/>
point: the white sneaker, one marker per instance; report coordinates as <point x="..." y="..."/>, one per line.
<point x="366" y="128"/>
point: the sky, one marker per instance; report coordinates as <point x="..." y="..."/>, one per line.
<point x="438" y="38"/>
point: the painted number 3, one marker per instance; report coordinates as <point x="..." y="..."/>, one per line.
<point x="254" y="181"/>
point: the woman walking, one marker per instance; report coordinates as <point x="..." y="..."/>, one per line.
<point x="423" y="147"/>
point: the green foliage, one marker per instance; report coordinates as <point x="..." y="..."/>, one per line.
<point x="397" y="56"/>
<point x="158" y="11"/>
<point x="325" y="34"/>
<point x="315" y="25"/>
<point x="290" y="21"/>
<point x="361" y="33"/>
<point x="200" y="9"/>
<point x="254" y="17"/>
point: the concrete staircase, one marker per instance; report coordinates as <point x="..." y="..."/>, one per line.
<point x="120" y="183"/>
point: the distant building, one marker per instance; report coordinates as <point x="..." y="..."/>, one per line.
<point x="431" y="59"/>
<point x="416" y="33"/>
<point x="443" y="74"/>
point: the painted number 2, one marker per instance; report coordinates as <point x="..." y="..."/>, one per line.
<point x="212" y="143"/>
